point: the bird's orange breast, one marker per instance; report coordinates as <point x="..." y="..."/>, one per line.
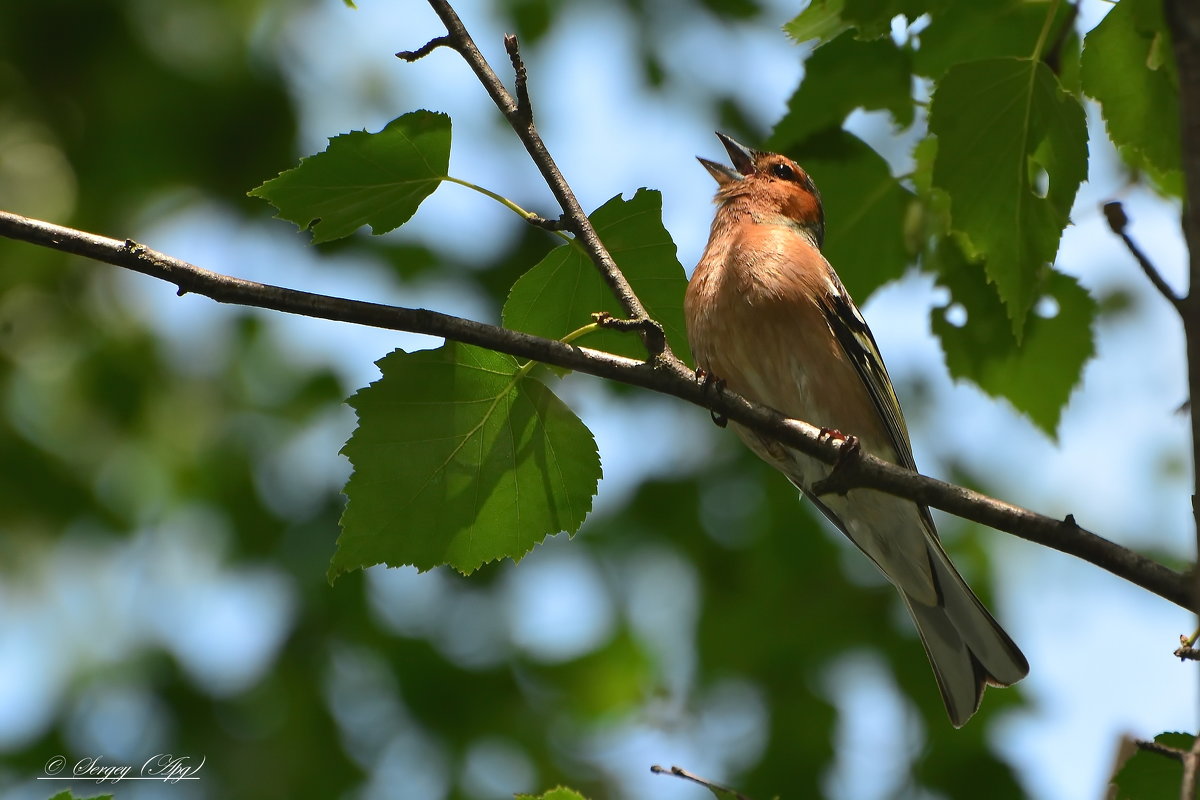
<point x="755" y="320"/>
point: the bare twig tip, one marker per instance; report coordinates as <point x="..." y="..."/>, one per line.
<point x="1187" y="654"/>
<point x="715" y="788"/>
<point x="524" y="108"/>
<point x="546" y="223"/>
<point x="653" y="335"/>
<point x="425" y="49"/>
<point x="1114" y="212"/>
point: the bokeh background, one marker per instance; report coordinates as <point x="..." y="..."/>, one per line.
<point x="169" y="468"/>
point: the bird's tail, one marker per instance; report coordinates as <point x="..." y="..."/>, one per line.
<point x="966" y="647"/>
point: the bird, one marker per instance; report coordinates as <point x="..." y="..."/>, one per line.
<point x="767" y="317"/>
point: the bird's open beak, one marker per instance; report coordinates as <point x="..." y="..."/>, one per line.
<point x="741" y="156"/>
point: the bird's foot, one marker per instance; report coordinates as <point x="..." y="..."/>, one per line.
<point x="839" y="479"/>
<point x="709" y="382"/>
<point x="834" y="435"/>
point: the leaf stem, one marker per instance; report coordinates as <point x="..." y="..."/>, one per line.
<point x="1041" y="40"/>
<point x="528" y="216"/>
<point x="524" y="369"/>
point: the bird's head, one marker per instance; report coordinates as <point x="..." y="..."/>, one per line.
<point x="775" y="188"/>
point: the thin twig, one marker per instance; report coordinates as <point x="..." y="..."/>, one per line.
<point x="1114" y="212"/>
<point x="575" y="219"/>
<point x="547" y="224"/>
<point x="1150" y="746"/>
<point x="666" y="376"/>
<point x="652" y="332"/>
<point x="680" y="772"/>
<point x="425" y="49"/>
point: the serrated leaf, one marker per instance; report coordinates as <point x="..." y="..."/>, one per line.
<point x="842" y="76"/>
<point x="459" y="459"/>
<point x="1147" y="776"/>
<point x="997" y="121"/>
<point x="865" y="208"/>
<point x="982" y="29"/>
<point x="1138" y="89"/>
<point x="1038" y="374"/>
<point x="557" y="793"/>
<point x="377" y="179"/>
<point x="561" y="292"/>
<point x="821" y="20"/>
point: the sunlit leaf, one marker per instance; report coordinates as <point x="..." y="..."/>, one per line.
<point x="821" y="20"/>
<point x="999" y="122"/>
<point x="377" y="179"/>
<point x="557" y="793"/>
<point x="460" y="459"/>
<point x="1125" y="70"/>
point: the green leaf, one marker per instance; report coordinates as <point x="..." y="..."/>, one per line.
<point x="557" y="793"/>
<point x="865" y="209"/>
<point x="460" y="459"/>
<point x="66" y="794"/>
<point x="1137" y="87"/>
<point x="982" y="29"/>
<point x="873" y="18"/>
<point x="562" y="291"/>
<point x="822" y="20"/>
<point x="1036" y="375"/>
<point x="825" y="20"/>
<point x="999" y="121"/>
<point x="844" y="75"/>
<point x="1145" y="775"/>
<point x="375" y="179"/>
<point x="929" y="217"/>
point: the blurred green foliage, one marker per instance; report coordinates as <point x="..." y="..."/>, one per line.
<point x="107" y="432"/>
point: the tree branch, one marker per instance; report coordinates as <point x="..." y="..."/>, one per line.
<point x="667" y="376"/>
<point x="520" y="117"/>
<point x="1183" y="18"/>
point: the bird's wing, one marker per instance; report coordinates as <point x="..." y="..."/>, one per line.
<point x="859" y="345"/>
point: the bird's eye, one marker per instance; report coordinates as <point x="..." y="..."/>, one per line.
<point x="783" y="171"/>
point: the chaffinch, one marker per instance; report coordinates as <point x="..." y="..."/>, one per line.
<point x="768" y="316"/>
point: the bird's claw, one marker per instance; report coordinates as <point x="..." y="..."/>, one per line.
<point x="708" y="381"/>
<point x="837" y="479"/>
